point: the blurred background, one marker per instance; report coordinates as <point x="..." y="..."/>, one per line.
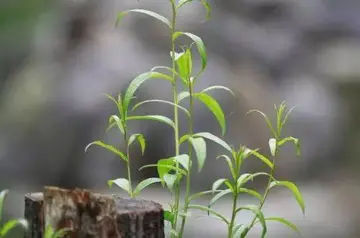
<point x="58" y="58"/>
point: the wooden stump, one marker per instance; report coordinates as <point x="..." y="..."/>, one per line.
<point x="92" y="215"/>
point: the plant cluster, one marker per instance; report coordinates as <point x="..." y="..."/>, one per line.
<point x="178" y="168"/>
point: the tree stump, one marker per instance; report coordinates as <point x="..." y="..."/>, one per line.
<point x="93" y="215"/>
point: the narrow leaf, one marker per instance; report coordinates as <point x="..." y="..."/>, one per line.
<point x="158" y="118"/>
<point x="285" y="222"/>
<point x="239" y="230"/>
<point x="12" y="224"/>
<point x="215" y="108"/>
<point x="184" y="138"/>
<point x="287" y="117"/>
<point x="199" y="44"/>
<point x="258" y="213"/>
<point x="146" y="12"/>
<point x="217" y="184"/>
<point x="183" y="160"/>
<point x="184" y="64"/>
<point x="165" y="102"/>
<point x="120" y="182"/>
<point x="209" y="210"/>
<point x="145" y="183"/>
<point x="140" y="138"/>
<point x="230" y="164"/>
<point x="213" y="138"/>
<point x="170" y="180"/>
<point x="138" y="81"/>
<point x="218" y="87"/>
<point x="182" y="95"/>
<point x="272" y="146"/>
<point x="218" y="196"/>
<point x="207" y="8"/>
<point x="115" y="120"/>
<point x="108" y="147"/>
<point x="294" y="189"/>
<point x="267" y="121"/>
<point x="165" y="167"/>
<point x="3" y="195"/>
<point x="294" y="140"/>
<point x="168" y="216"/>
<point x="250" y="192"/>
<point x="199" y="146"/>
<point x="262" y="158"/>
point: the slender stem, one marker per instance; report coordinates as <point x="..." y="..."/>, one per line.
<point x="233" y="216"/>
<point x="176" y="117"/>
<point x="128" y="162"/>
<point x="188" y="177"/>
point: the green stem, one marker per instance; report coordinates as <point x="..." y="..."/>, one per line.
<point x="176" y="117"/>
<point x="233" y="216"/>
<point x="128" y="162"/>
<point x="188" y="177"/>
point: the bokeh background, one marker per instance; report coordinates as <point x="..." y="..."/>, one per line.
<point x="58" y="58"/>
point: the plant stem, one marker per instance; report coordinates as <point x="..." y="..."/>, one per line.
<point x="176" y="117"/>
<point x="128" y="162"/>
<point x="233" y="216"/>
<point x="188" y="177"/>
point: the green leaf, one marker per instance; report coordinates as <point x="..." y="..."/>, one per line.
<point x="122" y="183"/>
<point x="182" y="3"/>
<point x="168" y="216"/>
<point x="258" y="213"/>
<point x="267" y="121"/>
<point x="207" y="7"/>
<point x="183" y="95"/>
<point x="239" y="230"/>
<point x="209" y="210"/>
<point x="294" y="189"/>
<point x="145" y="183"/>
<point x="183" y="160"/>
<point x="60" y="233"/>
<point x="138" y="81"/>
<point x="199" y="44"/>
<point x="250" y="192"/>
<point x="115" y="120"/>
<point x="163" y="101"/>
<point x="12" y="224"/>
<point x="140" y="138"/>
<point x="146" y="12"/>
<point x="184" y="138"/>
<point x="199" y="146"/>
<point x="49" y="231"/>
<point x="287" y="117"/>
<point x="165" y="167"/>
<point x="217" y="184"/>
<point x="218" y="87"/>
<point x="294" y="140"/>
<point x="196" y="195"/>
<point x="230" y="164"/>
<point x="285" y="222"/>
<point x="215" y="108"/>
<point x="262" y="158"/>
<point x="3" y="195"/>
<point x="158" y="118"/>
<point x="209" y="136"/>
<point x="170" y="180"/>
<point x="272" y="146"/>
<point x="244" y="178"/>
<point x="184" y="64"/>
<point x="279" y="114"/>
<point x="218" y="196"/>
<point x="108" y="147"/>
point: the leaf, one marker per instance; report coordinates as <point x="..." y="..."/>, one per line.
<point x="158" y="118"/>
<point x="199" y="146"/>
<point x="12" y="224"/>
<point x="61" y="233"/>
<point x="184" y="64"/>
<point x="183" y="160"/>
<point x="238" y="230"/>
<point x="279" y="114"/>
<point x="294" y="189"/>
<point x="168" y="216"/>
<point x="163" y="101"/>
<point x="250" y="192"/>
<point x="3" y="195"/>
<point x="262" y="158"/>
<point x="230" y="165"/>
<point x="215" y="108"/>
<point x="108" y="147"/>
<point x="199" y="44"/>
<point x="209" y="210"/>
<point x="170" y="180"/>
<point x="213" y="138"/>
<point x="285" y="222"/>
<point x="196" y="195"/>
<point x="218" y="196"/>
<point x="140" y="139"/>
<point x="258" y="213"/>
<point x="294" y="140"/>
<point x="267" y="121"/>
<point x="49" y="231"/>
<point x="149" y="13"/>
<point x="218" y="87"/>
<point x="183" y="95"/>
<point x="182" y="3"/>
<point x="122" y="183"/>
<point x="207" y="7"/>
<point x="287" y="117"/>
<point x="138" y="81"/>
<point x="117" y="103"/>
<point x="167" y="167"/>
<point x="118" y="122"/>
<point x="244" y="178"/>
<point x="184" y="138"/>
<point x="145" y="183"/>
<point x="272" y="146"/>
<point x="165" y="67"/>
<point x="217" y="184"/>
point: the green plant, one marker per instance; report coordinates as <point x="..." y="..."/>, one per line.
<point x="235" y="185"/>
<point x="9" y="225"/>
<point x="174" y="170"/>
<point x="51" y="233"/>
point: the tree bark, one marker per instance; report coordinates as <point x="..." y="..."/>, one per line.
<point x="92" y="215"/>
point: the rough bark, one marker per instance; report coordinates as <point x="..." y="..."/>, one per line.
<point x="93" y="215"/>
